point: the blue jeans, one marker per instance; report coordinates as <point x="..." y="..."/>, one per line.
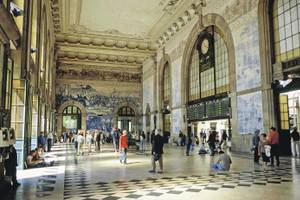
<point x="217" y="167"/>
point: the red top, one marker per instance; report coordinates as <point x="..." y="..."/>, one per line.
<point x="273" y="137"/>
<point x="123" y="141"/>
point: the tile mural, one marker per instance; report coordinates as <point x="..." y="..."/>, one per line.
<point x="249" y="113"/>
<point x="246" y="36"/>
<point x="98" y="106"/>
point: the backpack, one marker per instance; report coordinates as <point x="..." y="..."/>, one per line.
<point x="268" y="150"/>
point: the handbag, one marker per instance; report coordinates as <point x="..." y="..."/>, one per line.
<point x="156" y="157"/>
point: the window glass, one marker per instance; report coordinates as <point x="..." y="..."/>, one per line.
<point x="166" y="83"/>
<point x="286" y="23"/>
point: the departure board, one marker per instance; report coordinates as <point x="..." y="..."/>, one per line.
<point x="217" y="108"/>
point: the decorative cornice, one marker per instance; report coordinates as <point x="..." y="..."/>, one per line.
<point x="98" y="75"/>
<point x="107" y="42"/>
<point x="104" y="67"/>
<point x="177" y="25"/>
<point x="81" y="56"/>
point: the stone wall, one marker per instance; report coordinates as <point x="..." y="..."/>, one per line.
<point x="239" y="21"/>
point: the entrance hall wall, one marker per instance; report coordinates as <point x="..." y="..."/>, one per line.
<point x="242" y="38"/>
<point x="100" y="99"/>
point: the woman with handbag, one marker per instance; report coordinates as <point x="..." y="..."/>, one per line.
<point x="157" y="151"/>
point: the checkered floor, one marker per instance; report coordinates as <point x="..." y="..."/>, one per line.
<point x="78" y="186"/>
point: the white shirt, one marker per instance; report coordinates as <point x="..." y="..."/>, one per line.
<point x="80" y="139"/>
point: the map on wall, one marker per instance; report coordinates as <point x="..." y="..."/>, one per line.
<point x="249" y="113"/>
<point x="246" y="38"/>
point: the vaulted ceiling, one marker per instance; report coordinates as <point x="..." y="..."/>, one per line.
<point x="116" y="35"/>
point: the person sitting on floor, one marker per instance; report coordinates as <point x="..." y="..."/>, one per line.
<point x="34" y="160"/>
<point x="223" y="163"/>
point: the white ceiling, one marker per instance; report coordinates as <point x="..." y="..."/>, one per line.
<point x="128" y="17"/>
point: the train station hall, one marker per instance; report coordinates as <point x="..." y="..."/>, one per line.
<point x="149" y="99"/>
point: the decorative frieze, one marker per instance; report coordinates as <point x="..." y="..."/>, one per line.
<point x="98" y="75"/>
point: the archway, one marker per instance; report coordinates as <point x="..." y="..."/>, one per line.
<point x="71" y="119"/>
<point x="66" y="109"/>
<point x="126" y="119"/>
<point x="208" y="98"/>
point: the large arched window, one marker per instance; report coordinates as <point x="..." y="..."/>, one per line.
<point x="126" y="111"/>
<point x="166" y="84"/>
<point x="209" y="80"/>
<point x="286" y="28"/>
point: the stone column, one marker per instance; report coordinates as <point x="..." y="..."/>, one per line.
<point x="83" y="121"/>
<point x="59" y="119"/>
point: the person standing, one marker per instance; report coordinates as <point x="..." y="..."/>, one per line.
<point x="264" y="150"/>
<point x="189" y="143"/>
<point x="49" y="141"/>
<point x="42" y="140"/>
<point x="273" y="139"/>
<point x="255" y="142"/>
<point x="115" y="137"/>
<point x="98" y="140"/>
<point x="11" y="164"/>
<point x="295" y="142"/>
<point x="142" y="141"/>
<point x="123" y="147"/>
<point x="157" y="151"/>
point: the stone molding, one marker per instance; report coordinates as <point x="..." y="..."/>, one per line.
<point x="73" y="55"/>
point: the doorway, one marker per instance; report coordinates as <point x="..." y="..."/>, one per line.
<point x="71" y="119"/>
<point x="126" y="118"/>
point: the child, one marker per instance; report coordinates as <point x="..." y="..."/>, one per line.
<point x="223" y="163"/>
<point x="264" y="150"/>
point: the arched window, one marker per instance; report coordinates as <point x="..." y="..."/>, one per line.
<point x="166" y="84"/>
<point x="126" y="111"/>
<point x="71" y="110"/>
<point x="209" y="67"/>
<point x="286" y="29"/>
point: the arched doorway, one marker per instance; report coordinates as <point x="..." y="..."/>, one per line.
<point x="126" y="118"/>
<point x="64" y="108"/>
<point x="71" y="119"/>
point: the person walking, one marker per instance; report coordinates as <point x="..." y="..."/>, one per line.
<point x="273" y="139"/>
<point x="89" y="139"/>
<point x="157" y="151"/>
<point x="49" y="141"/>
<point x="212" y="142"/>
<point x="11" y="164"/>
<point x="80" y="141"/>
<point x="295" y="142"/>
<point x="255" y="142"/>
<point x="123" y="147"/>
